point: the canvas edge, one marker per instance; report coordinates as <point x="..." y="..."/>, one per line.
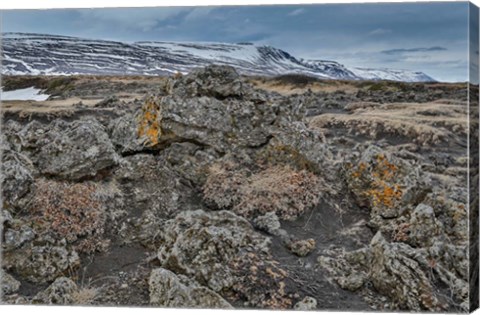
<point x="473" y="155"/>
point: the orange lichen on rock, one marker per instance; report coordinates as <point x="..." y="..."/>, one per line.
<point x="384" y="194"/>
<point x="378" y="178"/>
<point x="149" y="125"/>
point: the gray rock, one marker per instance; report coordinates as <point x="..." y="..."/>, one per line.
<point x="9" y="284"/>
<point x="41" y="264"/>
<point x="169" y="290"/>
<point x="153" y="185"/>
<point x="213" y="81"/>
<point x="302" y="247"/>
<point x="16" y="238"/>
<point x="212" y="107"/>
<point x="5" y="217"/>
<point x="201" y="245"/>
<point x="423" y="227"/>
<point x="269" y="223"/>
<point x="309" y="143"/>
<point x="60" y="292"/>
<point x="352" y="282"/>
<point x="16" y="177"/>
<point x="217" y="123"/>
<point x="156" y="191"/>
<point x="307" y="304"/>
<point x="397" y="270"/>
<point x="76" y="150"/>
<point x="124" y="134"/>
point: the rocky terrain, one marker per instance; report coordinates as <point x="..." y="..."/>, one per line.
<point x="215" y="190"/>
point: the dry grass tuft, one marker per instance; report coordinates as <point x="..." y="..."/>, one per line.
<point x="278" y="189"/>
<point x="84" y="296"/>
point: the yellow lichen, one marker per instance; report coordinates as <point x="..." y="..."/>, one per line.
<point x="380" y="176"/>
<point x="149" y="125"/>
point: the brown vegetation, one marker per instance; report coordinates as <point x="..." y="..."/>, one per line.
<point x="278" y="189"/>
<point x="70" y="211"/>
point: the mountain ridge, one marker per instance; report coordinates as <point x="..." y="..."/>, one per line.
<point x="43" y="54"/>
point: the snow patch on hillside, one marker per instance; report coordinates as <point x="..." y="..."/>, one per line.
<point x="28" y="94"/>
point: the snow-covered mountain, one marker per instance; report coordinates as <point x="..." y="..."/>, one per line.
<point x="38" y="54"/>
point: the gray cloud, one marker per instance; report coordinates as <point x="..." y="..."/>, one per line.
<point x="296" y="12"/>
<point x="380" y="31"/>
<point x="412" y="50"/>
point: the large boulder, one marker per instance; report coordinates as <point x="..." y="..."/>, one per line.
<point x="213" y="107"/>
<point x="60" y="292"/>
<point x="201" y="245"/>
<point x="154" y="192"/>
<point x="405" y="274"/>
<point x="222" y="252"/>
<point x="41" y="264"/>
<point x="80" y="149"/>
<point x="215" y="81"/>
<point x="70" y="150"/>
<point x="170" y="290"/>
<point x="387" y="185"/>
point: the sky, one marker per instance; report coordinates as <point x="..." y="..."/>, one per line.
<point x="429" y="37"/>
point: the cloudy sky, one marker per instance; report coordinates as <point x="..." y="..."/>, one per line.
<point x="428" y="37"/>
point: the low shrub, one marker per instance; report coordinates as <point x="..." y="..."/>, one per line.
<point x="71" y="211"/>
<point x="279" y="189"/>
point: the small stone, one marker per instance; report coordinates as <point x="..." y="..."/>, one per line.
<point x="307" y="304"/>
<point x="269" y="223"/>
<point x="303" y="247"/>
<point x="9" y="284"/>
<point x="15" y="239"/>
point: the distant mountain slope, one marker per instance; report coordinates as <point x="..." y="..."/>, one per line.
<point x="38" y="54"/>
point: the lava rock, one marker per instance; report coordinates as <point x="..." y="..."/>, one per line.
<point x="269" y="223"/>
<point x="170" y="290"/>
<point x="307" y="304"/>
<point x="9" y="284"/>
<point x="77" y="150"/>
<point x="214" y="239"/>
<point x="60" y="292"/>
<point x="302" y="247"/>
<point x="41" y="264"/>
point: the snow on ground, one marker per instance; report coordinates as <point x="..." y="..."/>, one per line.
<point x="28" y="94"/>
